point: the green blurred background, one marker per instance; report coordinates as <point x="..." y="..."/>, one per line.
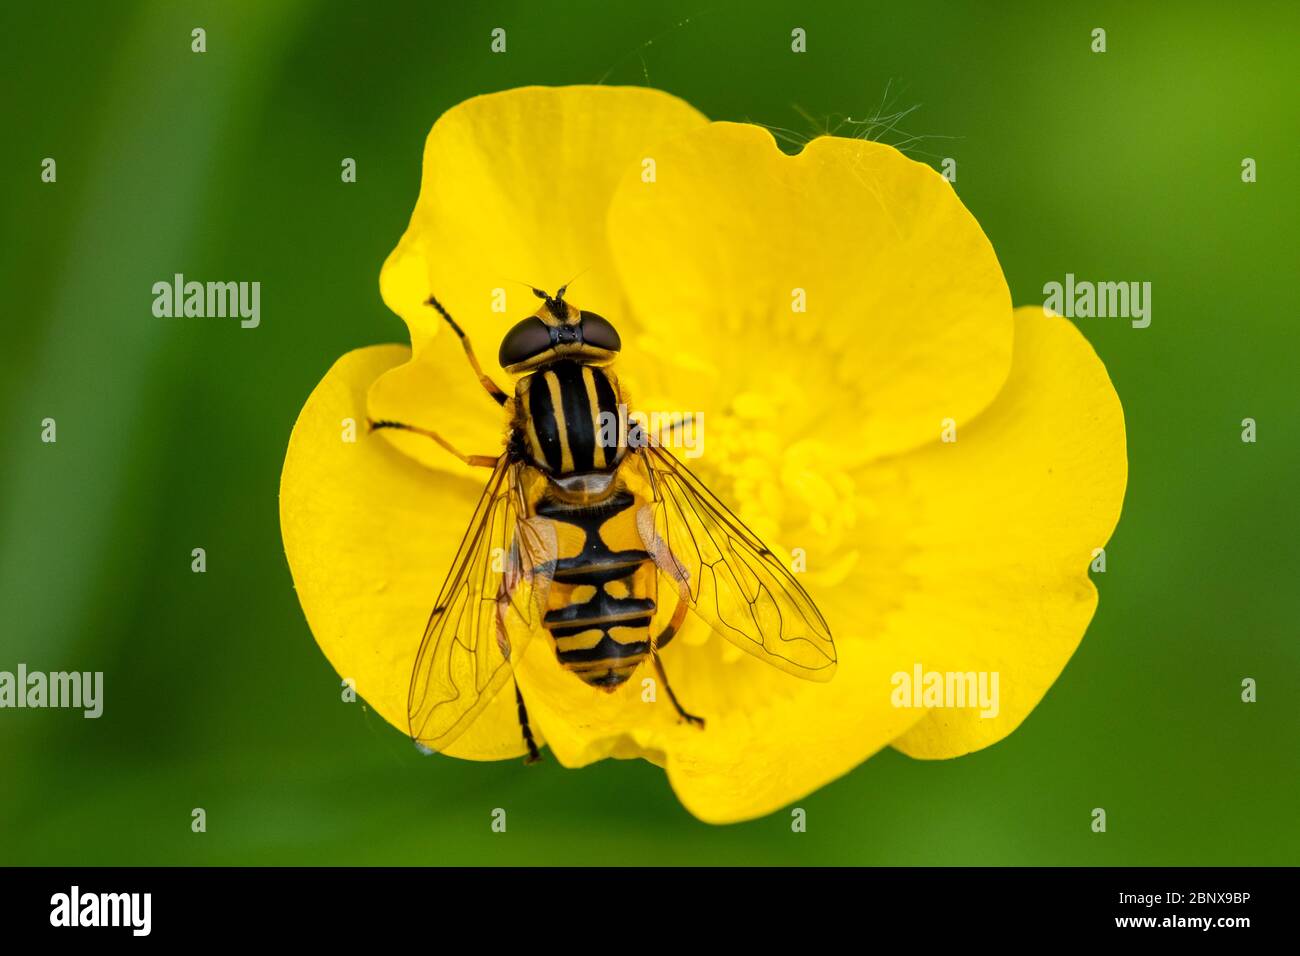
<point x="171" y="434"/>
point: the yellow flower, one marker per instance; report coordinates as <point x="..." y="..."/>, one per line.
<point x="825" y="431"/>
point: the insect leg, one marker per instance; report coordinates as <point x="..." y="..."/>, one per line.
<point x="675" y="424"/>
<point x="668" y="563"/>
<point x="663" y="677"/>
<point x="673" y="626"/>
<point x="533" y="755"/>
<point x="504" y="592"/>
<point x="493" y="389"/>
<point x="482" y="461"/>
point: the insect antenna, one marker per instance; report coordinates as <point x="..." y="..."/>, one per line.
<point x="559" y="296"/>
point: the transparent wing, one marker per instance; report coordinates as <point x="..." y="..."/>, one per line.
<point x="490" y="605"/>
<point x="729" y="578"/>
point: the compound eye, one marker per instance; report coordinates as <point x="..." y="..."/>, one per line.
<point x="528" y="338"/>
<point x="597" y="331"/>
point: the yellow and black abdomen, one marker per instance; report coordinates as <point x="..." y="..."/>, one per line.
<point x="602" y="594"/>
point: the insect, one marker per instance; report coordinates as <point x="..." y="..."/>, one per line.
<point x="590" y="531"/>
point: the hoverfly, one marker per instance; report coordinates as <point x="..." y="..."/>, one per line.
<point x="585" y="522"/>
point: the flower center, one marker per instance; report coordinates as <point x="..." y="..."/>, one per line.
<point x="794" y="492"/>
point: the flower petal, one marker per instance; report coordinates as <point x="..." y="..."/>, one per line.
<point x="907" y="316"/>
<point x="772" y="739"/>
<point x="439" y="391"/>
<point x="515" y="190"/>
<point x="1008" y="518"/>
<point x="779" y="744"/>
<point x="369" y="534"/>
<point x="974" y="557"/>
